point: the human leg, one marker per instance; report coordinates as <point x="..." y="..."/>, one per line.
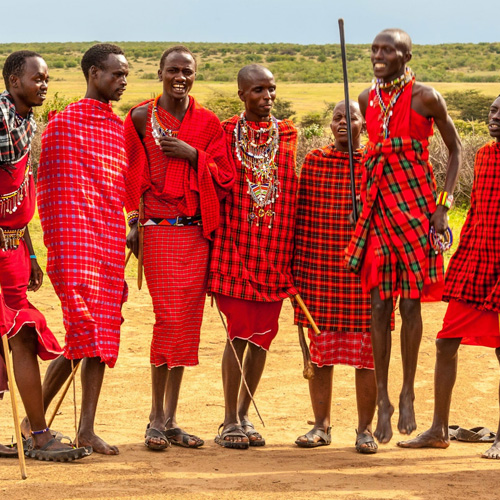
<point x="366" y="400"/>
<point x="445" y="374"/>
<point x="411" y="335"/>
<point x="92" y="377"/>
<point x="494" y="450"/>
<point x="381" y="342"/>
<point x="155" y="439"/>
<point x="320" y="391"/>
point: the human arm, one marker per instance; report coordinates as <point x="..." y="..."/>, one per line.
<point x="36" y="276"/>
<point x="429" y="103"/>
<point x="3" y="244"/>
<point x="363" y="101"/>
<point x="175" y="148"/>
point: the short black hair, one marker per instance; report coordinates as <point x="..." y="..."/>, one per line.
<point x="15" y="64"/>
<point x="96" y="55"/>
<point x="177" y="48"/>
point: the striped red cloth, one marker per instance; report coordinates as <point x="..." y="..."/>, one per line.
<point x="332" y="294"/>
<point x="191" y="192"/>
<point x="398" y="193"/>
<point x="473" y="274"/>
<point x="254" y="262"/>
<point x="81" y="192"/>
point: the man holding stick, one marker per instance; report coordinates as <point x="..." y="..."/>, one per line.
<point x="390" y="246"/>
<point x="250" y="270"/>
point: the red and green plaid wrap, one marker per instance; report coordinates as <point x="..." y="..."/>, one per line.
<point x="398" y="194"/>
<point x="473" y="274"/>
<point x="332" y="294"/>
<point x="255" y="262"/>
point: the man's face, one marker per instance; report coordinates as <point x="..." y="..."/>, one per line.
<point x="258" y="92"/>
<point x="494" y="119"/>
<point x="338" y="124"/>
<point x="177" y="74"/>
<point x="388" y="58"/>
<point x="111" y="79"/>
<point x="31" y="86"/>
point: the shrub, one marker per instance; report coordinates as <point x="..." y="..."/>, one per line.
<point x="308" y="143"/>
<point x="282" y="109"/>
<point x="149" y="76"/>
<point x="312" y="118"/>
<point x="468" y="104"/>
<point x="223" y="106"/>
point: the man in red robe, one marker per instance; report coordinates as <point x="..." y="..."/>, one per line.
<point x="472" y="288"/>
<point x="398" y="194"/>
<point x="180" y="167"/>
<point x="26" y="78"/>
<point x="251" y="263"/>
<point x="81" y="193"/>
<point x="332" y="294"/>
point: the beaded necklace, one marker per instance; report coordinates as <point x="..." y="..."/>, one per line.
<point x="256" y="150"/>
<point x="158" y="129"/>
<point x="397" y="85"/>
<point x="10" y="201"/>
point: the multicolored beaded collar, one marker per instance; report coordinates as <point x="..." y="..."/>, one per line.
<point x="158" y="129"/>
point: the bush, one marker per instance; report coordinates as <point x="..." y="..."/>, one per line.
<point x="306" y="144"/>
<point x="312" y="118"/>
<point x="468" y="105"/>
<point x="282" y="109"/>
<point x="314" y="130"/>
<point x="223" y="106"/>
<point x="149" y="76"/>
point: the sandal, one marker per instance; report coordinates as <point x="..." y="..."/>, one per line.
<point x="173" y="432"/>
<point x="233" y="431"/>
<point x="152" y="433"/>
<point x="64" y="455"/>
<point x="252" y="433"/>
<point x="476" y="435"/>
<point x="325" y="438"/>
<point x="363" y="438"/>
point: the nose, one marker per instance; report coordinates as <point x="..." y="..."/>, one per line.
<point x="45" y="85"/>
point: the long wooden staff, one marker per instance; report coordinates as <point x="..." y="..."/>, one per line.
<point x="15" y="413"/>
<point x="141" y="244"/>
<point x="63" y="395"/>
<point x="348" y="117"/>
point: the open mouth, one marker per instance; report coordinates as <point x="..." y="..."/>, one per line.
<point x="342" y="130"/>
<point x="379" y="66"/>
<point x="494" y="126"/>
<point x="178" y="87"/>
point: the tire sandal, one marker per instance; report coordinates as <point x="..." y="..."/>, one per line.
<point x="233" y="431"/>
<point x="152" y="433"/>
<point x="64" y="455"/>
<point x="476" y="435"/>
<point x="252" y="433"/>
<point x="365" y="438"/>
<point x="325" y="438"/>
<point x="173" y="432"/>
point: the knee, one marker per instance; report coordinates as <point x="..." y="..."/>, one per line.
<point x="409" y="308"/>
<point x="26" y="339"/>
<point x="381" y="308"/>
<point x="446" y="349"/>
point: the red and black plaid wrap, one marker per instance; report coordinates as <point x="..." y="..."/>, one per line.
<point x="255" y="262"/>
<point x="332" y="294"/>
<point x="191" y="191"/>
<point x="473" y="274"/>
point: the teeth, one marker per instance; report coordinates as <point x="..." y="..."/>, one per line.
<point x="379" y="65"/>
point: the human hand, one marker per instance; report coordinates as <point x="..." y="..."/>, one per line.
<point x="439" y="219"/>
<point x="133" y="239"/>
<point x="36" y="276"/>
<point x="175" y="148"/>
<point x="3" y="243"/>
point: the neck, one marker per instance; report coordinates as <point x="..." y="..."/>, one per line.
<point x="176" y="107"/>
<point x="253" y="117"/>
<point x="343" y="146"/>
<point x="92" y="94"/>
<point x="22" y="109"/>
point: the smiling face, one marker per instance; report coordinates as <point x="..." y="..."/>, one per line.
<point x="389" y="55"/>
<point x="30" y="88"/>
<point x="258" y="92"/>
<point x="338" y="125"/>
<point x="177" y="74"/>
<point x="110" y="81"/>
<point x="494" y="119"/>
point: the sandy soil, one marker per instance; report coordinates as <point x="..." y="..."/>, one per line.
<point x="280" y="470"/>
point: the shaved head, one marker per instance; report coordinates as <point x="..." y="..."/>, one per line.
<point x="353" y="107"/>
<point x="250" y="73"/>
<point x="401" y="39"/>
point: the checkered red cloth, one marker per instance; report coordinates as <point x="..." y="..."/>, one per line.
<point x="249" y="261"/>
<point x="341" y="348"/>
<point x="473" y="274"/>
<point x="190" y="191"/>
<point x="176" y="266"/>
<point x="398" y="194"/>
<point x="332" y="294"/>
<point x="81" y="191"/>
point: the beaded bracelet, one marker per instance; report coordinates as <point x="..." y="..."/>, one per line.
<point x="33" y="257"/>
<point x="440" y="242"/>
<point x="445" y="199"/>
<point x="35" y="433"/>
<point x="132" y="217"/>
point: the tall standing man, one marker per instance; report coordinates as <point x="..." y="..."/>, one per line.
<point x="81" y="193"/>
<point x="250" y="269"/>
<point x="26" y="79"/>
<point x="390" y="245"/>
<point x="180" y="166"/>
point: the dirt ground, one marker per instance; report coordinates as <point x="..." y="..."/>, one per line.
<point x="280" y="470"/>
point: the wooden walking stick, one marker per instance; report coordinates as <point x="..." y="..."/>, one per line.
<point x="140" y="228"/>
<point x="348" y="119"/>
<point x="63" y="395"/>
<point x="128" y="257"/>
<point x="308" y="371"/>
<point x="15" y="413"/>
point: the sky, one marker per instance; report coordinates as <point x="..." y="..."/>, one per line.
<point x="294" y="21"/>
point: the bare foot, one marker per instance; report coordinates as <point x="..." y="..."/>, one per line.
<point x="406" y="422"/>
<point x="428" y="439"/>
<point x="493" y="452"/>
<point x="254" y="437"/>
<point x="98" y="445"/>
<point x="383" y="432"/>
<point x="8" y="451"/>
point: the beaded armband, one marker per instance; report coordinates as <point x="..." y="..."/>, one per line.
<point x="132" y="217"/>
<point x="445" y="199"/>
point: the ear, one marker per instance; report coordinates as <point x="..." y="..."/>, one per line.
<point x="13" y="81"/>
<point x="93" y="72"/>
<point x="159" y="75"/>
<point x="241" y="95"/>
<point x="408" y="56"/>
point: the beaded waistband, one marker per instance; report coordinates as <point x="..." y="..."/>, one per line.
<point x="176" y="221"/>
<point x="13" y="237"/>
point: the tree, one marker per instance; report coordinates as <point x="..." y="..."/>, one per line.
<point x="468" y="105"/>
